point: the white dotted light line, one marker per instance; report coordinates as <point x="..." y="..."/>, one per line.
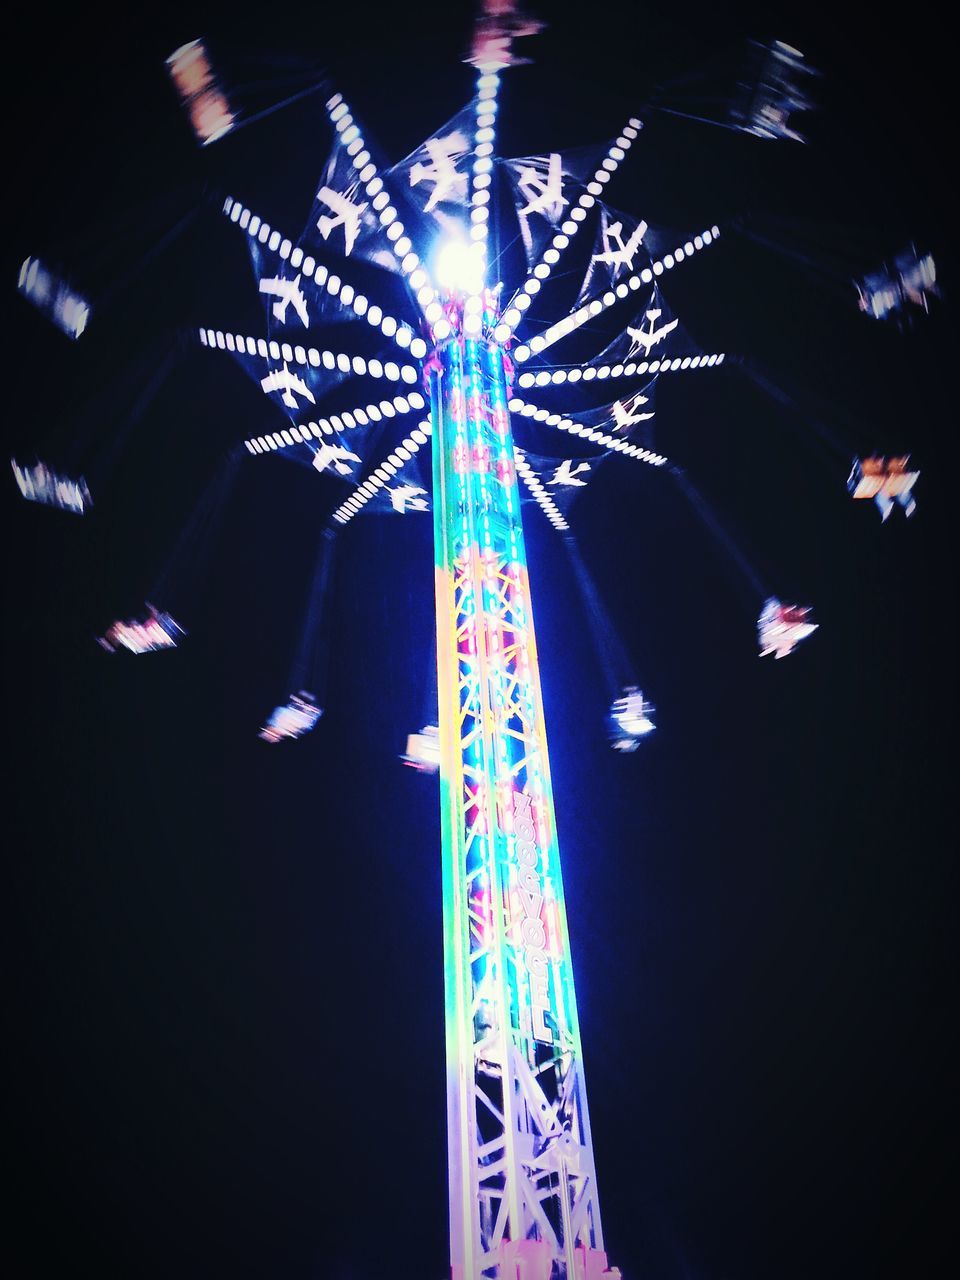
<point x="568" y="229"/>
<point x="382" y="475"/>
<point x="370" y="179"/>
<point x="270" y="349"/>
<point x="527" y="410"/>
<point x="596" y="305"/>
<point x="335" y="423"/>
<point x="586" y="373"/>
<point x="481" y="190"/>
<point x="348" y="297"/>
<point x="542" y="496"/>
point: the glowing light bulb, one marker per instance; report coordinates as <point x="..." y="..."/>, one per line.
<point x="458" y="270"/>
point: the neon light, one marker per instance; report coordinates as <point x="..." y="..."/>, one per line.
<point x="516" y="1101"/>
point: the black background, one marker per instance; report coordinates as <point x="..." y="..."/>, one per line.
<point x="225" y="1028"/>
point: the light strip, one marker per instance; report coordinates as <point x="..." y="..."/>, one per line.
<point x="344" y="420"/>
<point x="270" y="349"/>
<point x="616" y="154"/>
<point x="588" y="372"/>
<point x="481" y="190"/>
<point x="535" y="485"/>
<point x="369" y="177"/>
<point x="527" y="410"/>
<point x="380" y="476"/>
<point x="349" y="297"/>
<point x="596" y="305"/>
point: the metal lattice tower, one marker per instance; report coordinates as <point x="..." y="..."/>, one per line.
<point x="523" y="1193"/>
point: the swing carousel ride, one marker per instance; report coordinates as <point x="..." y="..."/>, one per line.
<point x="470" y="340"/>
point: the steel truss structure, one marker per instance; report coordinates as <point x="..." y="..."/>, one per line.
<point x="523" y="1191"/>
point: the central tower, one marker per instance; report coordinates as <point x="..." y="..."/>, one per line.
<point x="523" y="1192"/>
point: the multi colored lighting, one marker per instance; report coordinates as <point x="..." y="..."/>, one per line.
<point x="521" y="1170"/>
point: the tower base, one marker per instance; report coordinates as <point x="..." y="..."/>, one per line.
<point x="534" y="1260"/>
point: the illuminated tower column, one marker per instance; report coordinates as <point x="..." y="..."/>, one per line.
<point x="523" y="1194"/>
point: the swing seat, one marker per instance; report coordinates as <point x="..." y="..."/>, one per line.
<point x="630" y="719"/>
<point x="157" y="631"/>
<point x="51" y="489"/>
<point x="295" y="718"/>
<point x="423" y="750"/>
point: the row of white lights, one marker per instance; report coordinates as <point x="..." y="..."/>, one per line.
<point x="336" y="422"/>
<point x="270" y="349"/>
<point x="368" y="176"/>
<point x="481" y="188"/>
<point x="348" y="297"/>
<point x="536" y="487"/>
<point x="383" y="474"/>
<point x="596" y="305"/>
<point x="568" y="229"/>
<point x="527" y="410"/>
<point x="586" y="373"/>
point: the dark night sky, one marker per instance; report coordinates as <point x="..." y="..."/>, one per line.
<point x="225" y="1029"/>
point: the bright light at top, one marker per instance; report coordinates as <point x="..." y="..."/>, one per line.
<point x="458" y="269"/>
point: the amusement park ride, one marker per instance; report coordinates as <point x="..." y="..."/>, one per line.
<point x="523" y="1188"/>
